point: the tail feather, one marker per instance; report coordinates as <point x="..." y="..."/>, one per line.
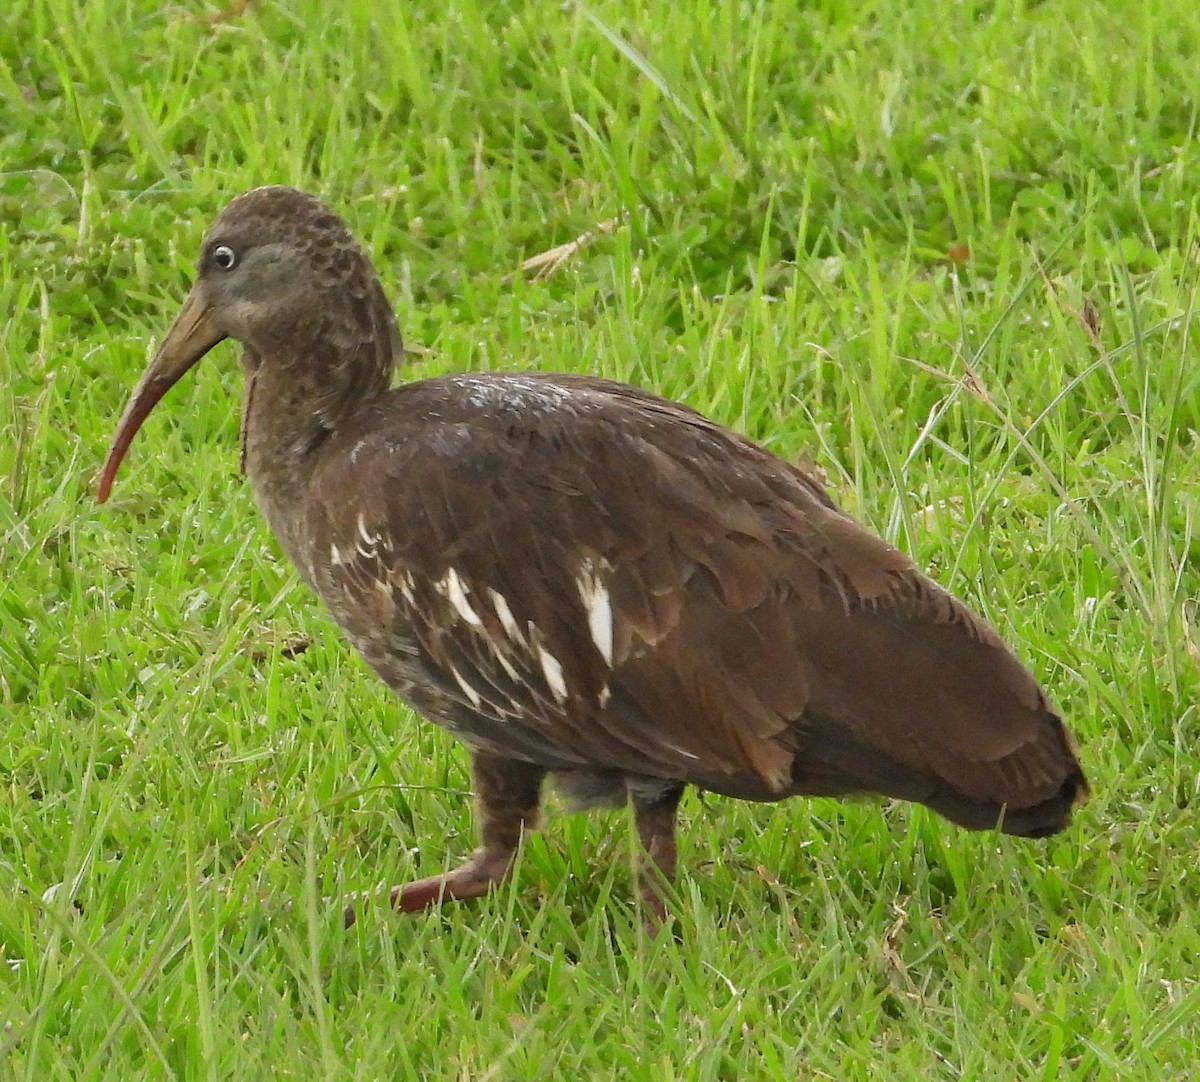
<point x="838" y="763"/>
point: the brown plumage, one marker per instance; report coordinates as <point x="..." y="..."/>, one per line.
<point x="580" y="578"/>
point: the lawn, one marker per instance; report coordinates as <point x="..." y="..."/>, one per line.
<point x="947" y="251"/>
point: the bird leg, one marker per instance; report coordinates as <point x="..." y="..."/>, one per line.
<point x="507" y="794"/>
<point x="655" y="820"/>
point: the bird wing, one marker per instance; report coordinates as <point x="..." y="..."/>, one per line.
<point x="583" y="574"/>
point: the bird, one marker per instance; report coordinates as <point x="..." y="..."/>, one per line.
<point x="586" y="582"/>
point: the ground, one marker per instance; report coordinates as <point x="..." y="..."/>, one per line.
<point x="945" y="251"/>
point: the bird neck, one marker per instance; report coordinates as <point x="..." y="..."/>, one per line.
<point x="289" y="413"/>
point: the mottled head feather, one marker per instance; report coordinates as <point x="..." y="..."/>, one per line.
<point x="302" y="295"/>
<point x="278" y="214"/>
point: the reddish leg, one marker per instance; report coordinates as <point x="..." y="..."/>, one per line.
<point x="655" y="821"/>
<point x="507" y="794"/>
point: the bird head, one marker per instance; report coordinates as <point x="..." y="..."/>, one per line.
<point x="280" y="273"/>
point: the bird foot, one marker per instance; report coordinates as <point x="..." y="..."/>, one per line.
<point x="654" y="911"/>
<point x="482" y="872"/>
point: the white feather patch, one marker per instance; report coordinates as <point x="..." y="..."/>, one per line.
<point x="456" y="592"/>
<point x="404" y="583"/>
<point x="366" y="547"/>
<point x="505" y="664"/>
<point x="362" y="532"/>
<point x="598" y="604"/>
<point x="505" y="616"/>
<point x="470" y="692"/>
<point x="553" y="671"/>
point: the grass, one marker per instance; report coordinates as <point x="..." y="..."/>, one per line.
<point x="949" y="250"/>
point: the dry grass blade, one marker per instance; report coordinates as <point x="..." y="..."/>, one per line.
<point x="969" y="381"/>
<point x="1087" y="316"/>
<point x="547" y="262"/>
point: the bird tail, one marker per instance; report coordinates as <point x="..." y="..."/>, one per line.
<point x="1039" y="820"/>
<point x="838" y="763"/>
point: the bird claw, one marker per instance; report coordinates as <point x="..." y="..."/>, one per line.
<point x="471" y="880"/>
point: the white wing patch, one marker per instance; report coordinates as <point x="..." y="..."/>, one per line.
<point x="470" y="692"/>
<point x="681" y="751"/>
<point x="505" y="616"/>
<point x="404" y="583"/>
<point x="367" y="545"/>
<point x="513" y="646"/>
<point x="363" y="533"/>
<point x="594" y="595"/>
<point x="456" y="592"/>
<point x="553" y="671"/>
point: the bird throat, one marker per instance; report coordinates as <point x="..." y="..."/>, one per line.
<point x="266" y="454"/>
<point x="247" y="404"/>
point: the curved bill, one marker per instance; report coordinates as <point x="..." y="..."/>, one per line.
<point x="191" y="336"/>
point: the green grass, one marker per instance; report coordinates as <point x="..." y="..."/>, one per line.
<point x="819" y="222"/>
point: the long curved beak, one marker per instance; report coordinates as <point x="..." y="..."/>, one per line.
<point x="191" y="336"/>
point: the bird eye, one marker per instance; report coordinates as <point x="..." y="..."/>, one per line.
<point x="224" y="257"/>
